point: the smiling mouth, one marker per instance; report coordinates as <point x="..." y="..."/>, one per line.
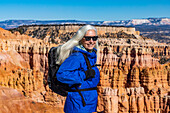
<point x="90" y="44"/>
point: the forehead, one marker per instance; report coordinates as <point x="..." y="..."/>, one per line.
<point x="90" y="33"/>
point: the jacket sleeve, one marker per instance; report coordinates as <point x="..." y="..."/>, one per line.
<point x="70" y="71"/>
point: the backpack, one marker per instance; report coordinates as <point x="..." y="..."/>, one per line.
<point x="55" y="85"/>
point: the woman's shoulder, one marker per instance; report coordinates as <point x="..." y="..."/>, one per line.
<point x="76" y="55"/>
<point x="74" y="58"/>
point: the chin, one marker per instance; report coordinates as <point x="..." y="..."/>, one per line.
<point x="90" y="48"/>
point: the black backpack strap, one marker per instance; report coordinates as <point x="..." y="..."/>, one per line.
<point x="96" y="65"/>
<point x="79" y="91"/>
<point x="87" y="89"/>
<point x="83" y="101"/>
<point x="95" y="50"/>
<point x="87" y="61"/>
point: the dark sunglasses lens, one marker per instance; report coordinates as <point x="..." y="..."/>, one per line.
<point x="89" y="38"/>
<point x="94" y="38"/>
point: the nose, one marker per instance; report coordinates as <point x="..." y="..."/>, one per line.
<point x="91" y="40"/>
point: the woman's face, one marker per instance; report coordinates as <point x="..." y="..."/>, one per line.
<point x="89" y="44"/>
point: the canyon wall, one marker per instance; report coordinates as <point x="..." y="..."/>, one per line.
<point x="131" y="80"/>
<point x="24" y="66"/>
<point x="133" y="100"/>
<point x="129" y="74"/>
<point x="135" y="82"/>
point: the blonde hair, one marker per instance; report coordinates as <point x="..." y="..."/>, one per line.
<point x="65" y="49"/>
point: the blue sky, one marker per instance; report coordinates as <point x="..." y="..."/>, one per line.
<point x="89" y="10"/>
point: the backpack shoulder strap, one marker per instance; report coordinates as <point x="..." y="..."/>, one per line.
<point x="87" y="61"/>
<point x="95" y="50"/>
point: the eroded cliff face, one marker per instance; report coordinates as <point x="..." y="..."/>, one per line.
<point x="130" y="76"/>
<point x="24" y="66"/>
<point x="133" y="100"/>
<point x="59" y="34"/>
<point x="132" y="82"/>
<point x="12" y="101"/>
<point x="131" y="79"/>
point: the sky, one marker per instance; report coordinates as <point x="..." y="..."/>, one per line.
<point x="87" y="10"/>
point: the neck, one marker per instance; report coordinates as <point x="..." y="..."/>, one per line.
<point x="89" y="50"/>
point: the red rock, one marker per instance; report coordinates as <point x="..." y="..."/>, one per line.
<point x="11" y="101"/>
<point x="128" y="70"/>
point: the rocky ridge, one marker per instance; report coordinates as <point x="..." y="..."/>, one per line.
<point x="62" y="33"/>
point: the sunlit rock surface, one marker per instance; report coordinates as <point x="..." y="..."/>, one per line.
<point x="132" y="79"/>
<point x="12" y="101"/>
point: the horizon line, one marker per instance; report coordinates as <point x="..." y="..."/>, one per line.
<point x="77" y="19"/>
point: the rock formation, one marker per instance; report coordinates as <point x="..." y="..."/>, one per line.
<point x="131" y="77"/>
<point x="11" y="101"/>
<point x="24" y="66"/>
<point x="133" y="100"/>
<point x="57" y="30"/>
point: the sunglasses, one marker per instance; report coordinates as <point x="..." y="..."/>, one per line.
<point x="88" y="38"/>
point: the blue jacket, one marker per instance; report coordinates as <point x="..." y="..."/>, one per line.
<point x="72" y="72"/>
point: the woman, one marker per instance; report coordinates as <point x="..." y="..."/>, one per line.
<point x="74" y="71"/>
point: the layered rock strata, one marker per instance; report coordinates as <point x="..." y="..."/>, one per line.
<point x="24" y="66"/>
<point x="43" y="30"/>
<point x="134" y="100"/>
<point x="126" y="65"/>
<point x="109" y="35"/>
<point x="132" y="69"/>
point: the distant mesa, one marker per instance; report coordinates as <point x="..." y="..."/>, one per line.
<point x="154" y="28"/>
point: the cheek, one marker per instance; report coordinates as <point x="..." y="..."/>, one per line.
<point x="85" y="43"/>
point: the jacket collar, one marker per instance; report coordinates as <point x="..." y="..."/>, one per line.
<point x="80" y="49"/>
